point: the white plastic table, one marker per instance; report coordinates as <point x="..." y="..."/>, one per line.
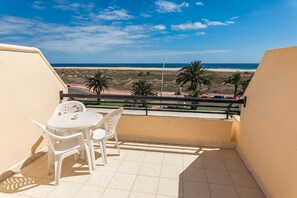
<point x="84" y="123"/>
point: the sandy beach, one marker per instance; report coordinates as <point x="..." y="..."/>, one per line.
<point x="122" y="79"/>
<point x="153" y="69"/>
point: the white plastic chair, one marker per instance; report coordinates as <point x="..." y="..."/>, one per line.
<point x="109" y="123"/>
<point x="60" y="147"/>
<point x="69" y="107"/>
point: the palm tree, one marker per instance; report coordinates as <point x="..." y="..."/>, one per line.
<point x="195" y="75"/>
<point x="234" y="79"/>
<point x="142" y="88"/>
<point x="98" y="83"/>
<point x="244" y="83"/>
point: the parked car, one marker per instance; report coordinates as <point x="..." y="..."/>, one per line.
<point x="218" y="96"/>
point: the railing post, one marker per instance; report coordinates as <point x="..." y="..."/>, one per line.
<point x="61" y="96"/>
<point x="228" y="110"/>
<point x="244" y="101"/>
<point x="145" y="107"/>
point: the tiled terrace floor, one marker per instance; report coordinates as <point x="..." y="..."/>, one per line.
<point x="142" y="170"/>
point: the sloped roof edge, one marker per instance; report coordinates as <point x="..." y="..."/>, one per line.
<point x="17" y="48"/>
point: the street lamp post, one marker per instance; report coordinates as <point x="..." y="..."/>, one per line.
<point x="164" y="61"/>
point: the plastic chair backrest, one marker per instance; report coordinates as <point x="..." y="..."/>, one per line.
<point x="110" y="121"/>
<point x="69" y="107"/>
<point x="46" y="134"/>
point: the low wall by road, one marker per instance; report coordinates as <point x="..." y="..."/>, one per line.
<point x="176" y="130"/>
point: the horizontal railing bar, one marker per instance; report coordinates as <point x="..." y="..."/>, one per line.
<point x="159" y="98"/>
<point x="167" y="110"/>
<point x="163" y="104"/>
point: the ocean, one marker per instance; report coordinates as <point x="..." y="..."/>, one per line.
<point x="245" y="66"/>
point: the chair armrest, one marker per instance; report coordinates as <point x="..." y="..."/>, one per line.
<point x="78" y="136"/>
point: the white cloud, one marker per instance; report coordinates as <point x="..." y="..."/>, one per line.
<point x="233" y="18"/>
<point x="113" y="14"/>
<point x="171" y="52"/>
<point x="167" y="6"/>
<point x="64" y="5"/>
<point x="200" y="33"/>
<point x="189" y="26"/>
<point x="213" y="23"/>
<point x="145" y="15"/>
<point x="199" y="3"/>
<point x="220" y="23"/>
<point x="73" y="38"/>
<point x="160" y="27"/>
<point x="230" y="22"/>
<point x="38" y="5"/>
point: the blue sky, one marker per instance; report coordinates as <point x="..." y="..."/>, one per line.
<point x="131" y="31"/>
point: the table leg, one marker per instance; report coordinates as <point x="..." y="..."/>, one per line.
<point x="91" y="148"/>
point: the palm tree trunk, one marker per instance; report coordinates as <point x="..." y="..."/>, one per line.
<point x="98" y="99"/>
<point x="235" y="91"/>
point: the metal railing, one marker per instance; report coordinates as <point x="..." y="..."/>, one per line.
<point x="158" y="103"/>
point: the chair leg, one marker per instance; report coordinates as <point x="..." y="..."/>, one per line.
<point x="50" y="161"/>
<point x="82" y="154"/>
<point x="88" y="158"/>
<point x="102" y="151"/>
<point x="75" y="156"/>
<point x="117" y="142"/>
<point x="58" y="169"/>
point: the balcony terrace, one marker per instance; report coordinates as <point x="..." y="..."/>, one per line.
<point x="163" y="154"/>
<point x="142" y="170"/>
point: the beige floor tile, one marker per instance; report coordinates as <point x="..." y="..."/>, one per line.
<point x="141" y="195"/>
<point x="43" y="188"/>
<point x="38" y="171"/>
<point x="214" y="164"/>
<point x="195" y="189"/>
<point x="163" y="196"/>
<point x="191" y="150"/>
<point x="89" y="191"/>
<point x="79" y="177"/>
<point x="243" y="179"/>
<point x="171" y="172"/>
<point x="175" y="149"/>
<point x="115" y="193"/>
<point x="112" y="153"/>
<point x="153" y="157"/>
<point x="211" y="153"/>
<point x="65" y="189"/>
<point x="111" y="166"/>
<point x="100" y="178"/>
<point x="122" y="181"/>
<point x="134" y="146"/>
<point x="129" y="167"/>
<point x="222" y="191"/>
<point x="8" y="195"/>
<point x="235" y="166"/>
<point x="139" y="146"/>
<point x="34" y="164"/>
<point x="246" y="192"/>
<point x="218" y="177"/>
<point x="173" y="159"/>
<point x="135" y="156"/>
<point x="194" y="174"/>
<point x="145" y="184"/>
<point x="230" y="154"/>
<point x="148" y="169"/>
<point x="17" y="183"/>
<point x="156" y="147"/>
<point x="181" y="171"/>
<point x="192" y="161"/>
<point x="170" y="187"/>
